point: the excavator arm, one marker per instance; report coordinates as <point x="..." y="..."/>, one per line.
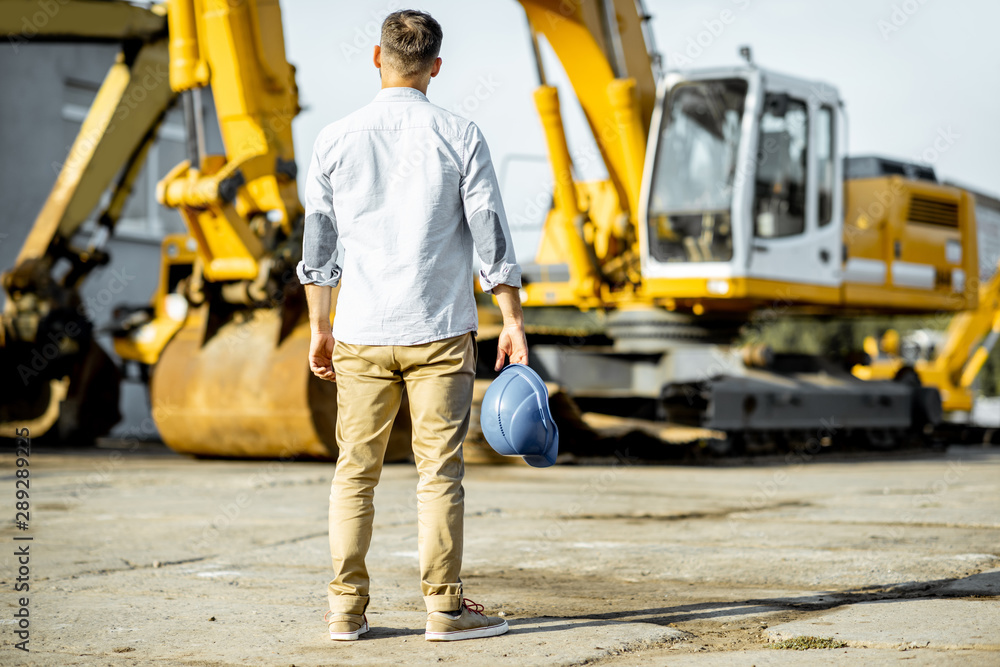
<point x="601" y="46"/>
<point x="970" y="337"/>
<point x="589" y="241"/>
<point x="234" y="203"/>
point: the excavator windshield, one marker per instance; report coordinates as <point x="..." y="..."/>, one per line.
<point x="696" y="162"/>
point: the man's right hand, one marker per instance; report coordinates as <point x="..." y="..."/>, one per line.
<point x="321" y="355"/>
<point x="512" y="343"/>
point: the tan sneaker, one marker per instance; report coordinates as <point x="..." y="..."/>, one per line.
<point x="346" y="627"/>
<point x="470" y="623"/>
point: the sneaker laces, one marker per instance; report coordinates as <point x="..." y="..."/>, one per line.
<point x="473" y="607"/>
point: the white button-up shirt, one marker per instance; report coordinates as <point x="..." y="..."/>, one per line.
<point x="407" y="189"/>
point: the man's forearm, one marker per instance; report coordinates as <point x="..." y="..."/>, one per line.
<point x="510" y="304"/>
<point x="319" y="299"/>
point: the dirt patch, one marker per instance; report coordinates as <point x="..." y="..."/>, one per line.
<point x="807" y="643"/>
<point x="681" y="605"/>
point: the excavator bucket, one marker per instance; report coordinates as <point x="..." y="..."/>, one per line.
<point x="246" y="391"/>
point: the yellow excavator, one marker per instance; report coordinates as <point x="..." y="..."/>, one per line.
<point x="224" y="333"/>
<point x="56" y="378"/>
<point x="727" y="193"/>
<point x="730" y="200"/>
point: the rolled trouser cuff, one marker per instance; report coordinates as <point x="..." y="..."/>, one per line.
<point x="348" y="604"/>
<point x="442" y="602"/>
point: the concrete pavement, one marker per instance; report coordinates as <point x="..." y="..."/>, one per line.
<point x="144" y="557"/>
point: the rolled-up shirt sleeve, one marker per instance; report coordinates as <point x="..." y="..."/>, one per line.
<point x="485" y="215"/>
<point x="320" y="263"/>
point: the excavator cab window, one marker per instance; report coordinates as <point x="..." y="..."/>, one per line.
<point x="780" y="183"/>
<point x="696" y="163"/>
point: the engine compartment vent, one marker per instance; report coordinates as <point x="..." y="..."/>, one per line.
<point x="933" y="211"/>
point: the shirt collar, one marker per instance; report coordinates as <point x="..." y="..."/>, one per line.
<point x="398" y="93"/>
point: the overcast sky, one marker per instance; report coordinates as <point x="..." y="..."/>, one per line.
<point x="907" y="70"/>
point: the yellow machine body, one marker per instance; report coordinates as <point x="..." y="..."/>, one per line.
<point x="970" y="337"/>
<point x="914" y="240"/>
<point x="169" y="309"/>
<point x="924" y="228"/>
<point x="868" y="243"/>
<point x="927" y="231"/>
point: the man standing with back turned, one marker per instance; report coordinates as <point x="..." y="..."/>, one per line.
<point x="407" y="188"/>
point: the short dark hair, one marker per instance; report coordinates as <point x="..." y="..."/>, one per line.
<point x="411" y="40"/>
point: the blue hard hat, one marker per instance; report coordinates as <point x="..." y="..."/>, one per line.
<point x="516" y="419"/>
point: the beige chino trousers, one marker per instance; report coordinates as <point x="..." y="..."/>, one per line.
<point x="438" y="377"/>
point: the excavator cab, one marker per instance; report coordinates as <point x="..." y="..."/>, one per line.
<point x="748" y="200"/>
<point x="741" y="193"/>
